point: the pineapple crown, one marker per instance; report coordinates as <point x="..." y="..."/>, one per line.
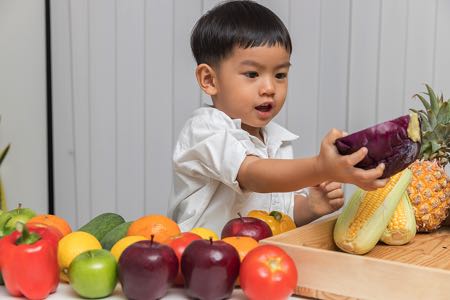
<point x="435" y="127"/>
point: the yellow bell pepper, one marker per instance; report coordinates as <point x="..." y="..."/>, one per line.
<point x="277" y="221"/>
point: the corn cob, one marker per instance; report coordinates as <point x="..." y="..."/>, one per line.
<point x="367" y="214"/>
<point x="402" y="227"/>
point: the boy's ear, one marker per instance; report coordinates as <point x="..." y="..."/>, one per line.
<point x="206" y="78"/>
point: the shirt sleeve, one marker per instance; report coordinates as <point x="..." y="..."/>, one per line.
<point x="215" y="152"/>
<point x="303" y="192"/>
<point x="290" y="205"/>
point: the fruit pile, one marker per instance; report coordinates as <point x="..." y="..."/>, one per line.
<point x="146" y="256"/>
<point x="416" y="148"/>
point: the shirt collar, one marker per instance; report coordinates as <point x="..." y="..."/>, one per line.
<point x="273" y="132"/>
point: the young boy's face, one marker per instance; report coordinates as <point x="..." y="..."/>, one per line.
<point x="252" y="85"/>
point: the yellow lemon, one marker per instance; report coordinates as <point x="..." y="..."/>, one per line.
<point x="70" y="246"/>
<point x="123" y="243"/>
<point x="205" y="233"/>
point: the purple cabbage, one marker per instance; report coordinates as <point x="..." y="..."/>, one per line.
<point x="387" y="142"/>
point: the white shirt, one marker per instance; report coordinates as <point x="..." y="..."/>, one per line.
<point x="206" y="161"/>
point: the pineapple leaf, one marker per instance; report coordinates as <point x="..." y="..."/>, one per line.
<point x="435" y="147"/>
<point x="433" y="99"/>
<point x="432" y="118"/>
<point x="425" y="125"/>
<point x="443" y="116"/>
<point x="424" y="102"/>
<point x="426" y="146"/>
<point x="3" y="154"/>
<point x="429" y="136"/>
<point x="442" y="132"/>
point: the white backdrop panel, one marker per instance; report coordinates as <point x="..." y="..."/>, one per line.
<point x="124" y="85"/>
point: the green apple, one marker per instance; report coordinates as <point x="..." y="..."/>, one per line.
<point x="9" y="219"/>
<point x="93" y="273"/>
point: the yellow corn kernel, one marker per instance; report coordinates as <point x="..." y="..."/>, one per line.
<point x="369" y="204"/>
<point x="399" y="218"/>
<point x="402" y="227"/>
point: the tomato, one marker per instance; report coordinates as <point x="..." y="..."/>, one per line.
<point x="268" y="272"/>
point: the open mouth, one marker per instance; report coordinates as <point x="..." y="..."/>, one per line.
<point x="264" y="107"/>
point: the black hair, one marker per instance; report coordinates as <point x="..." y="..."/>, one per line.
<point x="242" y="23"/>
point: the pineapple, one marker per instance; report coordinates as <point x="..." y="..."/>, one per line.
<point x="429" y="190"/>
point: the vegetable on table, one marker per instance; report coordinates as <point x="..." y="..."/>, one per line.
<point x="114" y="235"/>
<point x="28" y="261"/>
<point x="102" y="224"/>
<point x="277" y="221"/>
<point x="268" y="272"/>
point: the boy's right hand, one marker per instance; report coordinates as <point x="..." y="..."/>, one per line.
<point x="341" y="168"/>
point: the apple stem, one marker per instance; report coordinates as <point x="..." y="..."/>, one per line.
<point x="239" y="214"/>
<point x="19" y="206"/>
<point x="151" y="238"/>
<point x="210" y="240"/>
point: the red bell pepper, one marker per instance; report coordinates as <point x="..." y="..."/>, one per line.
<point x="29" y="261"/>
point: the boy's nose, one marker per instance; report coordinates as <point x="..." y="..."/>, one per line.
<point x="267" y="87"/>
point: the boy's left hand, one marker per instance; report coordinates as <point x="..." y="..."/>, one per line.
<point x="325" y="198"/>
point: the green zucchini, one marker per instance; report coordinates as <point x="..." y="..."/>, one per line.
<point x="114" y="235"/>
<point x="102" y="224"/>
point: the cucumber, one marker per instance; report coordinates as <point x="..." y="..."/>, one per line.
<point x="102" y="224"/>
<point x="114" y="235"/>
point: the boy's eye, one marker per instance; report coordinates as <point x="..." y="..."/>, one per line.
<point x="251" y="74"/>
<point x="281" y="75"/>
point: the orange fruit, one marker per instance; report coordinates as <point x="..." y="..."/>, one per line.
<point x="161" y="227"/>
<point x="51" y="220"/>
<point x="243" y="244"/>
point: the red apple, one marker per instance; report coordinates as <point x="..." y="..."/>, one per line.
<point x="147" y="269"/>
<point x="179" y="243"/>
<point x="246" y="226"/>
<point x="210" y="269"/>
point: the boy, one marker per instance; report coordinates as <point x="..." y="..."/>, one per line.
<point x="231" y="157"/>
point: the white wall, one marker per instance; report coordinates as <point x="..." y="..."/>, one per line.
<point x="123" y="85"/>
<point x="23" y="103"/>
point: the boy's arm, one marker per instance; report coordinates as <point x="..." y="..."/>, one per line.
<point x="321" y="200"/>
<point x="302" y="212"/>
<point x="286" y="175"/>
<point x="278" y="175"/>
